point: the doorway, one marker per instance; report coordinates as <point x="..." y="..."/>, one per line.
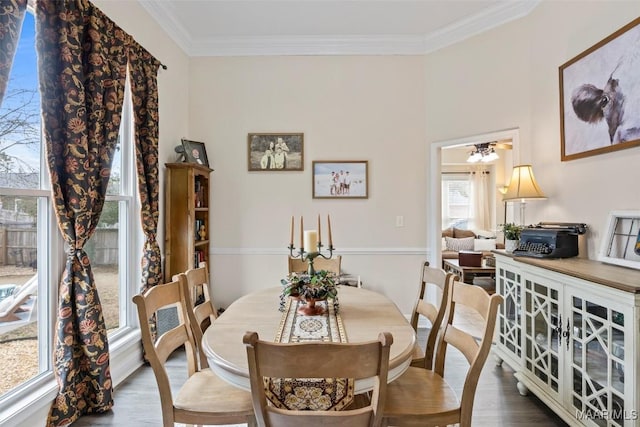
<point x="434" y="187"/>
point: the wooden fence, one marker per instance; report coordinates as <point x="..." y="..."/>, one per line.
<point x="19" y="246"/>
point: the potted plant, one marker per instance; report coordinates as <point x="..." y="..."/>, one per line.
<point x="310" y="288"/>
<point x="511" y="233"/>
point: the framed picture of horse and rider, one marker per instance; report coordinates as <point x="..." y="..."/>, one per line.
<point x="600" y="96"/>
<point x="273" y="152"/>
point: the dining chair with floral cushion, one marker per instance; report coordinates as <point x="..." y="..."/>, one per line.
<point x="362" y="360"/>
<point x="420" y="397"/>
<point x="439" y="281"/>
<point x="203" y="398"/>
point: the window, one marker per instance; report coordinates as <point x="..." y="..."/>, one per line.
<point x="32" y="253"/>
<point x="111" y="248"/>
<point x="26" y="238"/>
<point x="456" y="200"/>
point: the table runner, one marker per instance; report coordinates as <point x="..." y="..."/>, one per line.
<point x="316" y="394"/>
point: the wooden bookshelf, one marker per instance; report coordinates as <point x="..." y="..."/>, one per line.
<point x="187" y="227"/>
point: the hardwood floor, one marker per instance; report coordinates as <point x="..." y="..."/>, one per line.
<point x="497" y="401"/>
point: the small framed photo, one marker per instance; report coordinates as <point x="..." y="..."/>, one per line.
<point x="195" y="152"/>
<point x="340" y="179"/>
<point x="621" y="241"/>
<point x="275" y="152"/>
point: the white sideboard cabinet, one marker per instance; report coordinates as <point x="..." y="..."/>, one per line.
<point x="570" y="330"/>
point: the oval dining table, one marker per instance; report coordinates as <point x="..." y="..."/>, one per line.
<point x="364" y="315"/>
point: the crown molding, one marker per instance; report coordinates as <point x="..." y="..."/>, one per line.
<point x="309" y="45"/>
<point x="484" y="21"/>
<point x="420" y="44"/>
<point x="163" y="13"/>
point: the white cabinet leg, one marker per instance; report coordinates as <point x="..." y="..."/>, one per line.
<point x="522" y="389"/>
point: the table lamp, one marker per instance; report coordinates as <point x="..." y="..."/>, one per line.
<point x="522" y="187"/>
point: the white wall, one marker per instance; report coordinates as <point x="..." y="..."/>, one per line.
<point x="349" y="108"/>
<point x="387" y="110"/>
<point x="585" y="189"/>
<point x="507" y="78"/>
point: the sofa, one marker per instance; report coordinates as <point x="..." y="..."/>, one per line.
<point x="457" y="239"/>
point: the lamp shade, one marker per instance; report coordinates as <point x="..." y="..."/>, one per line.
<point x="523" y="185"/>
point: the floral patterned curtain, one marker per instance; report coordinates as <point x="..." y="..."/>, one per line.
<point x="82" y="68"/>
<point x="143" y="72"/>
<point x="11" y="17"/>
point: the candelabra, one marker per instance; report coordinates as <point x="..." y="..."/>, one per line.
<point x="309" y="257"/>
<point x="308" y="240"/>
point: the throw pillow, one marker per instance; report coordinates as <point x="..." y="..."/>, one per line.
<point x="464" y="244"/>
<point x="447" y="233"/>
<point x="484" y="244"/>
<point x="459" y="233"/>
<point x="444" y="244"/>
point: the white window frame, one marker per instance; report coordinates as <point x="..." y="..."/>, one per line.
<point x="29" y="403"/>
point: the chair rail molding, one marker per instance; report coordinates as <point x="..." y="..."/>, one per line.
<point x="343" y="251"/>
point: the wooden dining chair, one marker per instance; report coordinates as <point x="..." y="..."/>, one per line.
<point x="440" y="281"/>
<point x="421" y="397"/>
<point x="318" y="360"/>
<point x="204" y="398"/>
<point x="333" y="265"/>
<point x="202" y="315"/>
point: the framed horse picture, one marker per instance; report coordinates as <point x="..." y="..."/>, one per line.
<point x="600" y="96"/>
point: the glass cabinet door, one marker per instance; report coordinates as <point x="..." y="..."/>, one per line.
<point x="597" y="361"/>
<point x="509" y="312"/>
<point x="542" y="330"/>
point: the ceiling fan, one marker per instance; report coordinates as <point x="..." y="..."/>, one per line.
<point x="486" y="151"/>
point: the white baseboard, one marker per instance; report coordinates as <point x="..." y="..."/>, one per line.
<point x="126" y="356"/>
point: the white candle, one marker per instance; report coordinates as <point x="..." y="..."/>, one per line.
<point x="291" y="244"/>
<point x="311" y="241"/>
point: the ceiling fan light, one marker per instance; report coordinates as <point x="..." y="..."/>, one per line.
<point x="474" y="157"/>
<point x="491" y="156"/>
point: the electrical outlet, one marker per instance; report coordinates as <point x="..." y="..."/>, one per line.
<point x="399" y="221"/>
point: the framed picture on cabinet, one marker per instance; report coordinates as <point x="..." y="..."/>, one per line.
<point x="621" y="239"/>
<point x="195" y="152"/>
<point x="600" y="96"/>
<point x="340" y="179"/>
<point x="275" y="152"/>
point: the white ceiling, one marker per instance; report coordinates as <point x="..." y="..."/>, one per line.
<point x="324" y="27"/>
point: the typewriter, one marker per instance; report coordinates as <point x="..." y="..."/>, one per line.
<point x="550" y="240"/>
